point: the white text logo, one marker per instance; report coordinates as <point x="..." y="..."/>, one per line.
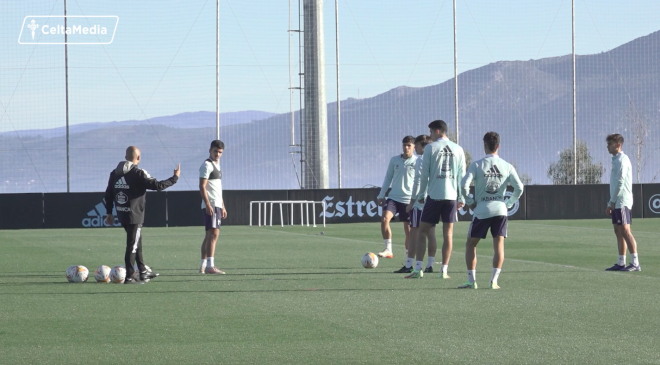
<point x="78" y="29"/>
<point x="350" y="208"/>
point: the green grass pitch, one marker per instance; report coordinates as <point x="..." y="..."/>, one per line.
<point x="294" y="296"/>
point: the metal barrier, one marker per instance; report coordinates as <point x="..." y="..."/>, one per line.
<point x="304" y="205"/>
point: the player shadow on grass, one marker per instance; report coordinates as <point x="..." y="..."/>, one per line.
<point x="388" y="289"/>
<point x="64" y="282"/>
<point x="19" y="275"/>
<point x="252" y="277"/>
<point x="261" y="268"/>
<point x="195" y="274"/>
<point x="199" y="278"/>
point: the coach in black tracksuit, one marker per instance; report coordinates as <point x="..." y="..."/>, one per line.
<point x="127" y="187"/>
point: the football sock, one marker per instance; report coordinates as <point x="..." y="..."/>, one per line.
<point x="634" y="259"/>
<point x="202" y="263"/>
<point x="430" y="261"/>
<point x="496" y="274"/>
<point x="409" y="262"/>
<point x="418" y="265"/>
<point x="622" y="260"/>
<point x="444" y="268"/>
<point x="388" y="244"/>
<point x="210" y="262"/>
<point x="472" y="276"/>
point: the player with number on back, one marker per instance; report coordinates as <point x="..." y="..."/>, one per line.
<point x="400" y="175"/>
<point x="442" y="170"/>
<point x="491" y="176"/>
<point x="621" y="201"/>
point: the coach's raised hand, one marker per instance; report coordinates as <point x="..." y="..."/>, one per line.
<point x="177" y="171"/>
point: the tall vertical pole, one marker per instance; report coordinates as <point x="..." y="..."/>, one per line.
<point x="66" y="100"/>
<point x="301" y="96"/>
<point x="455" y="77"/>
<point x="293" y="133"/>
<point x="338" y="99"/>
<point x="217" y="69"/>
<point x="316" y="119"/>
<point x="575" y="156"/>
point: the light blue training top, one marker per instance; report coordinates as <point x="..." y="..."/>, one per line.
<point x="621" y="182"/>
<point x="400" y="175"/>
<point x="443" y="168"/>
<point x="491" y="177"/>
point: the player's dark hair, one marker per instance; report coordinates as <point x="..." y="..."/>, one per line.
<point x="615" y="137"/>
<point x="408" y="139"/>
<point x="218" y="144"/>
<point x="423" y="139"/>
<point x="439" y="125"/>
<point x="492" y="141"/>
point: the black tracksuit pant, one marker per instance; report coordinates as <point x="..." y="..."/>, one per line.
<point x="133" y="248"/>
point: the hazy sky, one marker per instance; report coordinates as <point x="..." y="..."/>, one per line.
<point x="162" y="59"/>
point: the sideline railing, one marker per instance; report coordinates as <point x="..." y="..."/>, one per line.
<point x="304" y="211"/>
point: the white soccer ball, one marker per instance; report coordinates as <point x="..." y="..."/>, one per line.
<point x="77" y="274"/>
<point x="118" y="274"/>
<point x="102" y="274"/>
<point x="369" y="260"/>
<point x="70" y="272"/>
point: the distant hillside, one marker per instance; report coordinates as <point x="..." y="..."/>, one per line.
<point x="528" y="102"/>
<point x="184" y="120"/>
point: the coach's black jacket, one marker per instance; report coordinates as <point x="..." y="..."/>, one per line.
<point x="127" y="187"/>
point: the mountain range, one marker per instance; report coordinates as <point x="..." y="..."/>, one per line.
<point x="201" y="119"/>
<point x="529" y="103"/>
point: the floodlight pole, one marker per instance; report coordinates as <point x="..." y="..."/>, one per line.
<point x="291" y="114"/>
<point x="66" y="105"/>
<point x="217" y="69"/>
<point x="301" y="96"/>
<point x="316" y="120"/>
<point x="575" y="156"/>
<point x="455" y="77"/>
<point x="338" y="99"/>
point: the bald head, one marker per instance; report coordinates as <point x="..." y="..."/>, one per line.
<point x="133" y="154"/>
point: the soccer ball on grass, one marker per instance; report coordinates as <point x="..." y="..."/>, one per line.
<point x="77" y="274"/>
<point x="369" y="260"/>
<point x="102" y="274"/>
<point x="118" y="274"/>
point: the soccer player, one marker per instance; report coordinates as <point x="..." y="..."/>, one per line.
<point x="127" y="187"/>
<point x="213" y="207"/>
<point x="491" y="177"/>
<point x="443" y="167"/>
<point x="621" y="201"/>
<point x="400" y="175"/>
<point x="414" y="210"/>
